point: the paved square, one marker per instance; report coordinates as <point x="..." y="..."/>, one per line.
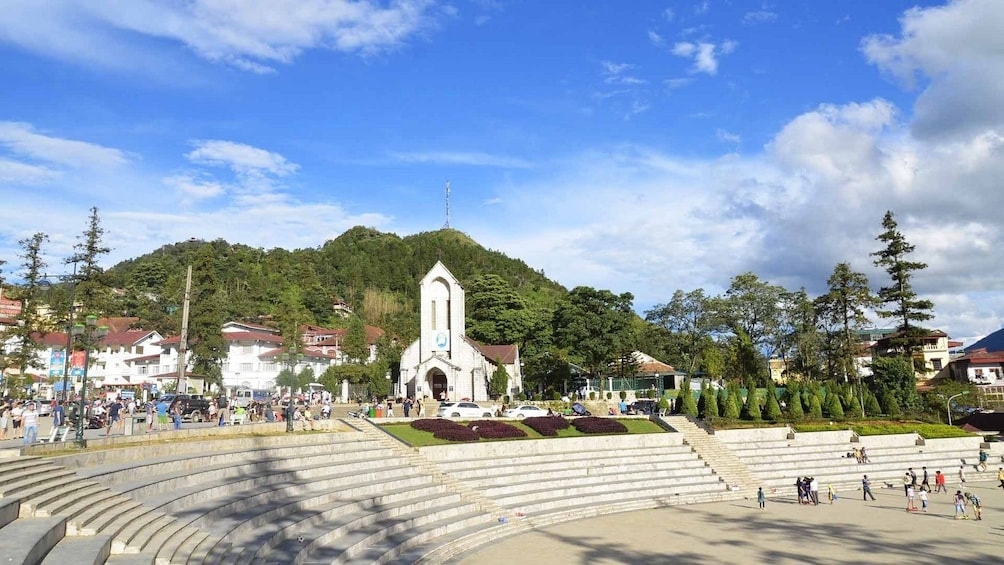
<point x="849" y="531"/>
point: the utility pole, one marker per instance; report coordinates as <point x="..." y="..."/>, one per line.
<point x="183" y="344"/>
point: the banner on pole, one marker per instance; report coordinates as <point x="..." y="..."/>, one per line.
<point x="56" y="362"/>
<point x="77" y="362"/>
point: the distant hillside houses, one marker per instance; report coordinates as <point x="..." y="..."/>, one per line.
<point x="130" y="357"/>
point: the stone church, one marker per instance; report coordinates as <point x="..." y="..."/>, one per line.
<point x="444" y="363"/>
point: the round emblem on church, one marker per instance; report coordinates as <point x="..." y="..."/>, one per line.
<point x="441" y="340"/>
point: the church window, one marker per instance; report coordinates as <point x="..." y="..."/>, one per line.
<point x="448" y="316"/>
<point x="432" y="313"/>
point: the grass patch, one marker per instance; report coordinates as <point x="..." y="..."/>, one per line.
<point x="417" y="438"/>
<point x="886" y="427"/>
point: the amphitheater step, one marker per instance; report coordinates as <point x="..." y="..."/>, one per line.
<point x="27" y="540"/>
<point x="9" y="508"/>
<point x="89" y="550"/>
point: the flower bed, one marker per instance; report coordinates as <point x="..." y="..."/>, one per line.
<point x="493" y="429"/>
<point x="546" y="425"/>
<point x="446" y="429"/>
<point x="594" y="425"/>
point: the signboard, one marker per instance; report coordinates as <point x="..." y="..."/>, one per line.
<point x="77" y="362"/>
<point x="56" y="362"/>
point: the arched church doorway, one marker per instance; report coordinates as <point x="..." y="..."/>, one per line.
<point x="439" y="384"/>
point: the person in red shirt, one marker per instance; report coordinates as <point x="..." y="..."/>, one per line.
<point x="939" y="482"/>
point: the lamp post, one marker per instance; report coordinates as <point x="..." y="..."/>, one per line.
<point x="290" y="359"/>
<point x="948" y="404"/>
<point x="88" y="333"/>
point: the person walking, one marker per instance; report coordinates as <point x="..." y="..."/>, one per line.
<point x="939" y="482"/>
<point x="925" y="484"/>
<point x="962" y="476"/>
<point x="866" y="488"/>
<point x="15" y="420"/>
<point x="150" y="410"/>
<point x="421" y="410"/>
<point x="960" y="506"/>
<point x="5" y="417"/>
<point x="977" y="505"/>
<point x="982" y="466"/>
<point x="761" y="498"/>
<point x="923" y="500"/>
<point x="814" y="491"/>
<point x="1000" y="476"/>
<point x="176" y="412"/>
<point x="223" y="404"/>
<point x="913" y="478"/>
<point x="906" y="482"/>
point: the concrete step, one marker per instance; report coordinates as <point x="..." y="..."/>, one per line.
<point x="90" y="550"/>
<point x="27" y="540"/>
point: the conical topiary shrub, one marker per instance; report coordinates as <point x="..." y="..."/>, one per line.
<point x="773" y="411"/>
<point x="815" y="406"/>
<point x="751" y="410"/>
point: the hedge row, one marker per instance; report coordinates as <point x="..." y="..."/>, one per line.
<point x="446" y="429"/>
<point x="546" y="425"/>
<point x="594" y="425"/>
<point x="494" y="429"/>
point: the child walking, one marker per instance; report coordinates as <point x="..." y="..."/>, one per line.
<point x="761" y="499"/>
<point x="923" y="500"/>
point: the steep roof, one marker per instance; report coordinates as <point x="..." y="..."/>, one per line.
<point x="982" y="356"/>
<point x="505" y="353"/>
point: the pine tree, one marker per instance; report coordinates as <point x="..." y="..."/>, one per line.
<point x="23" y="353"/>
<point x="833" y="405"/>
<point x="872" y="407"/>
<point x="732" y="405"/>
<point x="890" y="405"/>
<point x="815" y="406"/>
<point x="902" y="302"/>
<point x="773" y="411"/>
<point x="92" y="292"/>
<point x="689" y="405"/>
<point x="751" y="410"/>
<point x="795" y="401"/>
<point x="711" y="404"/>
<point x="722" y="398"/>
<point x="500" y="380"/>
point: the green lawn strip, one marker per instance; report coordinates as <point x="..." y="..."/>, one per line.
<point x="417" y="438"/>
<point x="883" y="427"/>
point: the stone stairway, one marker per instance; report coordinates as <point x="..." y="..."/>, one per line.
<point x="716" y="454"/>
<point x="415" y="458"/>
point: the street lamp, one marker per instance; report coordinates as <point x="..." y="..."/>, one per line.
<point x="89" y="334"/>
<point x="948" y="404"/>
<point x="290" y="360"/>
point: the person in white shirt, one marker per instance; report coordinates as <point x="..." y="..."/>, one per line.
<point x="29" y="420"/>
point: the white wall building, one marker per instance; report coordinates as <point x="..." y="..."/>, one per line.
<point x="443" y="362"/>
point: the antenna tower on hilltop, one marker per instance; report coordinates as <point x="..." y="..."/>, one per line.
<point x="446" y="226"/>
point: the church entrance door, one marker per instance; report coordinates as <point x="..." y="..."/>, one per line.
<point x="439" y="384"/>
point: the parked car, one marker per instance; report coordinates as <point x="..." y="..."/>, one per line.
<point x="524" y="411"/>
<point x="463" y="410"/>
<point x="193" y="408"/>
<point x="647" y="407"/>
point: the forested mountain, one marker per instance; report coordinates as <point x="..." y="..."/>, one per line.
<point x="375" y="273"/>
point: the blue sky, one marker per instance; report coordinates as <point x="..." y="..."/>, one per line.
<point x="635" y="146"/>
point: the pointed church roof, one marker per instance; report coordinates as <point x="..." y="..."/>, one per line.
<point x="436" y="267"/>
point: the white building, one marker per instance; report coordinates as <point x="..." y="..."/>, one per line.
<point x="444" y="362"/>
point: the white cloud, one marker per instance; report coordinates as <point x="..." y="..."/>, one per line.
<point x="728" y="137"/>
<point x="656" y="39"/>
<point x="668" y="14"/>
<point x="195" y="188"/>
<point x="759" y="17"/>
<point x="252" y="35"/>
<point x="470" y="158"/>
<point x="22" y="139"/>
<point x="702" y="7"/>
<point x="674" y="83"/>
<point x="16" y="172"/>
<point x="705" y="55"/>
<point x="242" y="159"/>
<point x="617" y="73"/>
<point x="957" y="49"/>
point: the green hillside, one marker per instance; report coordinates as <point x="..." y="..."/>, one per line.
<point x="375" y="273"/>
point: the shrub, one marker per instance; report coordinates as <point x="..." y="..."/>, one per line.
<point x="494" y="429"/>
<point x="505" y="399"/>
<point x="522" y="397"/>
<point x="650" y="393"/>
<point x="555" y="395"/>
<point x="751" y="410"/>
<point x="546" y="425"/>
<point x="594" y="425"/>
<point x="773" y="408"/>
<point x="610" y="395"/>
<point x="687" y="404"/>
<point x="732" y="406"/>
<point x="592" y="395"/>
<point x="445" y="429"/>
<point x="663" y="405"/>
<point x="815" y="406"/>
<point x="623" y="395"/>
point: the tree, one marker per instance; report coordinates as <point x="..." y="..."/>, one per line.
<point x="732" y="403"/>
<point x="751" y="410"/>
<point x="833" y="404"/>
<point x="902" y="302"/>
<point x="773" y="409"/>
<point x="497" y="314"/>
<point x="594" y="326"/>
<point x="206" y="316"/>
<point x="499" y="383"/>
<point x="754" y="307"/>
<point x="895" y="375"/>
<point x="799" y="338"/>
<point x="688" y="406"/>
<point x="795" y="409"/>
<point x="872" y="407"/>
<point x="354" y="345"/>
<point x="693" y="317"/>
<point x="749" y="363"/>
<point x="30" y="323"/>
<point x="92" y="293"/>
<point x="815" y="406"/>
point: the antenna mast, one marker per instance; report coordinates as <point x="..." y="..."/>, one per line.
<point x="447" y="225"/>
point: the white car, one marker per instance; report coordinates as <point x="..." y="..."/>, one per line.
<point x="463" y="410"/>
<point x="525" y="411"/>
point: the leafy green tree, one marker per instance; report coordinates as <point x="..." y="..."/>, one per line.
<point x="902" y="303"/>
<point x="497" y="314"/>
<point x="499" y="383"/>
<point x="890" y="404"/>
<point x="711" y="405"/>
<point x="207" y="347"/>
<point x="732" y="403"/>
<point x="895" y="375"/>
<point x="754" y="307"/>
<point x="799" y="341"/>
<point x="594" y="326"/>
<point x="749" y="364"/>
<point x="693" y="317"/>
<point x="354" y="345"/>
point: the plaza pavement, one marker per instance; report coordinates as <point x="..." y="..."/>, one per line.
<point x="848" y="532"/>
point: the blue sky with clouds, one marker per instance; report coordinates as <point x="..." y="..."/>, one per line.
<point x="636" y="146"/>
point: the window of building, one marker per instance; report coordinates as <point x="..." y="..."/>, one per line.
<point x="139" y="350"/>
<point x="979" y="372"/>
<point x="247" y="367"/>
<point x="432" y="314"/>
<point x="143" y="369"/>
<point x="937" y="364"/>
<point x="268" y="367"/>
